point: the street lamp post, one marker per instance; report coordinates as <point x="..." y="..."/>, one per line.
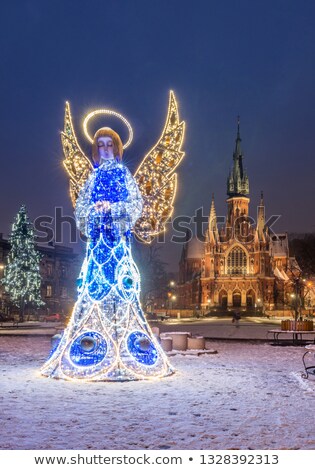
<point x="171" y="296"/>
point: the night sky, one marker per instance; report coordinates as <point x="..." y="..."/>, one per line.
<point x="222" y="58"/>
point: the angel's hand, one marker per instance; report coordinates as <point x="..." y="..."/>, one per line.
<point x="102" y="206"/>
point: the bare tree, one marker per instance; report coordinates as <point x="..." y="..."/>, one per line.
<point x="154" y="278"/>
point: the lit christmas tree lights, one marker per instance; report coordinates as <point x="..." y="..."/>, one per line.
<point x="108" y="338"/>
<point x="22" y="276"/>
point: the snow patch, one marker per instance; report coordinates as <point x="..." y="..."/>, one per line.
<point x="248" y="396"/>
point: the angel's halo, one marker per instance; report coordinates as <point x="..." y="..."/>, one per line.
<point x="89" y="116"/>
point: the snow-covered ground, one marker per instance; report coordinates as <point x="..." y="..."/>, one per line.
<point x="248" y="396"/>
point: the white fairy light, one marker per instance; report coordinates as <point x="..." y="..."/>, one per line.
<point x="109" y="112"/>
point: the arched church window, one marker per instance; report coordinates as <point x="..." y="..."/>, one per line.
<point x="237" y="262"/>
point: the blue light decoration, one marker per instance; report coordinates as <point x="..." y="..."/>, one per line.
<point x="142" y="348"/>
<point x="108" y="338"/>
<point x="88" y="349"/>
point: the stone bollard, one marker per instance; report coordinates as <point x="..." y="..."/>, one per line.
<point x="167" y="343"/>
<point x="197" y="342"/>
<point x="155" y="331"/>
<point x="179" y="339"/>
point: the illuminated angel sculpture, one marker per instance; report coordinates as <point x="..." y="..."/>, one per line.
<point x="108" y="337"/>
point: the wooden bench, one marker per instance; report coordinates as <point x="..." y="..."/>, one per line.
<point x="297" y="336"/>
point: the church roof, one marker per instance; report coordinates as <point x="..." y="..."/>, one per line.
<point x="279" y="245"/>
<point x="280" y="274"/>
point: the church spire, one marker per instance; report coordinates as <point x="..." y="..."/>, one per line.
<point x="212" y="226"/>
<point x="238" y="150"/>
<point x="237" y="183"/>
<point x="261" y="217"/>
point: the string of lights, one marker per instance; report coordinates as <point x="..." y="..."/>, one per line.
<point x="109" y="112"/>
<point x="156" y="178"/>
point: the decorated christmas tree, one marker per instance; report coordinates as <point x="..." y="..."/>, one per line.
<point x="21" y="276"/>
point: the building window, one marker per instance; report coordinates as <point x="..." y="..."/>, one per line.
<point x="237" y="262"/>
<point x="63" y="292"/>
<point x="48" y="291"/>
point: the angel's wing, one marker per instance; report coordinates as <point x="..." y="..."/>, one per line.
<point x="77" y="165"/>
<point x="156" y="178"/>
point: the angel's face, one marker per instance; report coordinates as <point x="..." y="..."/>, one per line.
<point x="105" y="148"/>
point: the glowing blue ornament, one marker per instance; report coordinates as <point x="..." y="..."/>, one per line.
<point x="142" y="348"/>
<point x="88" y="349"/>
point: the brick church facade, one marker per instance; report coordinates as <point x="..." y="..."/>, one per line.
<point x="240" y="264"/>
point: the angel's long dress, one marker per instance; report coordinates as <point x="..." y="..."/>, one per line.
<point x="108" y="337"/>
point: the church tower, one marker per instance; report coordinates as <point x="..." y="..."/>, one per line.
<point x="243" y="264"/>
<point x="237" y="187"/>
